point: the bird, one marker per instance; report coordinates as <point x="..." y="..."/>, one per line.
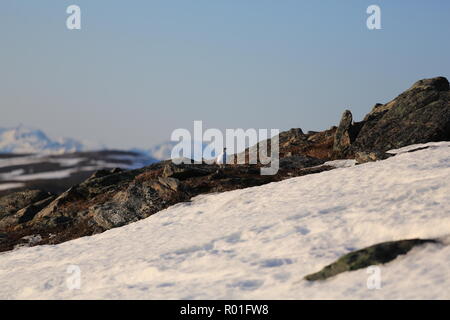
<point x="222" y="158"/>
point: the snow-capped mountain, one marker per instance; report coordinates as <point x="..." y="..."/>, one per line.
<point x="160" y="151"/>
<point x="30" y="159"/>
<point x="22" y="139"/>
<point x="27" y="140"/>
<point x="163" y="151"/>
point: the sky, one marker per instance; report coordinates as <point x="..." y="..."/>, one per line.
<point x="137" y="70"/>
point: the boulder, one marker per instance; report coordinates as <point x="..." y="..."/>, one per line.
<point x="140" y="200"/>
<point x="343" y="138"/>
<point x="11" y="213"/>
<point x="186" y="171"/>
<point x="366" y="156"/>
<point x="419" y="115"/>
<point x="18" y="200"/>
<point x="299" y="162"/>
<point x="345" y="135"/>
<point x="52" y="215"/>
<point x="377" y="254"/>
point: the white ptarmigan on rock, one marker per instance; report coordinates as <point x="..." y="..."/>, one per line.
<point x="222" y="158"/>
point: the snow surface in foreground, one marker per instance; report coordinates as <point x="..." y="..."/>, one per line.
<point x="259" y="243"/>
<point x="414" y="147"/>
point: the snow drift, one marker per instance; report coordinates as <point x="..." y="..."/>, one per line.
<point x="259" y="243"/>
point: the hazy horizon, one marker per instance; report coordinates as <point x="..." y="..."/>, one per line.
<point x="135" y="72"/>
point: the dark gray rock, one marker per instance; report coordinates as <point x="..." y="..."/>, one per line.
<point x="52" y="216"/>
<point x="140" y="200"/>
<point x="377" y="112"/>
<point x="299" y="162"/>
<point x="377" y="254"/>
<point x="419" y="115"/>
<point x="342" y="139"/>
<point x="11" y="205"/>
<point x="186" y="171"/>
<point x="345" y="135"/>
<point x="18" y="200"/>
<point x="363" y="156"/>
<point x="26" y="214"/>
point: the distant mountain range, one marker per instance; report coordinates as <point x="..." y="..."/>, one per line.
<point x="31" y="159"/>
<point x="57" y="172"/>
<point x="26" y="140"/>
<point x="160" y="151"/>
<point x="163" y="151"/>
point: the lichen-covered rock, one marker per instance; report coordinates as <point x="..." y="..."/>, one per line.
<point x="14" y="202"/>
<point x="29" y="212"/>
<point x="294" y="142"/>
<point x="185" y="171"/>
<point x="17" y="200"/>
<point x="419" y="115"/>
<point x="345" y="135"/>
<point x="377" y="254"/>
<point x="299" y="161"/>
<point x="363" y="156"/>
<point x="140" y="200"/>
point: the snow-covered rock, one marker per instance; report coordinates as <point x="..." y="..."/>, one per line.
<point x="259" y="243"/>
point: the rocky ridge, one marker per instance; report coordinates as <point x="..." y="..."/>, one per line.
<point x="113" y="198"/>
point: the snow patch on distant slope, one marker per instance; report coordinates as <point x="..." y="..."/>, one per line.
<point x="28" y="168"/>
<point x="7" y="186"/>
<point x="259" y="243"/>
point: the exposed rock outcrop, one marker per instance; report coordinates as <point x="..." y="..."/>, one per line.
<point x="19" y="207"/>
<point x="345" y="136"/>
<point x="377" y="254"/>
<point x="315" y="145"/>
<point x="112" y="198"/>
<point x="419" y="115"/>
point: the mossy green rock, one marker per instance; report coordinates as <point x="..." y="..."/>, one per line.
<point x="377" y="254"/>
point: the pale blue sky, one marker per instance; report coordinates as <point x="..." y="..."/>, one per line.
<point x="139" y="69"/>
